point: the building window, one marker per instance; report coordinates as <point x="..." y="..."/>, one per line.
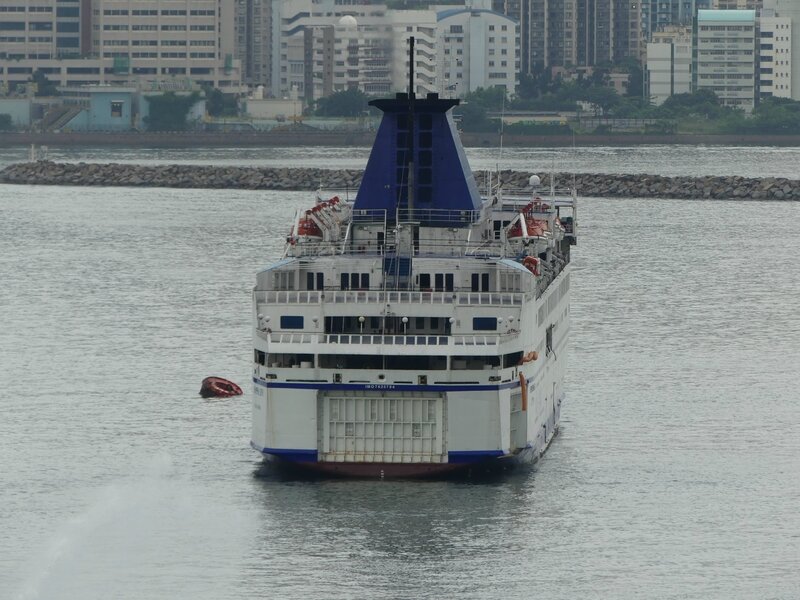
<point x="116" y="108"/>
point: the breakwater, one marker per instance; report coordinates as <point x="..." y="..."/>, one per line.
<point x="264" y="178"/>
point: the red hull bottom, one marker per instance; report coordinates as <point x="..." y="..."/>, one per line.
<point x="393" y="470"/>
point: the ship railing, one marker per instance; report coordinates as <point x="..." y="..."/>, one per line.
<point x="555" y="197"/>
<point x="390" y="297"/>
<point x="434" y="217"/>
<point x="388" y="339"/>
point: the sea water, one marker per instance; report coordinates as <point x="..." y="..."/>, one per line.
<point x="675" y="474"/>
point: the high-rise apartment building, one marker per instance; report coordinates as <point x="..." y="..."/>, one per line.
<point x="253" y="48"/>
<point x="45" y="29"/>
<point x="775" y="64"/>
<point x="669" y="63"/>
<point x="789" y="9"/>
<point x="726" y="43"/>
<point x="319" y="46"/>
<point x="658" y="14"/>
<point x="564" y="33"/>
<point x="477" y="49"/>
<point x="737" y="4"/>
<point x="120" y="42"/>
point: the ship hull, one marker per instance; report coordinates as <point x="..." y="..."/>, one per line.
<point x="480" y="467"/>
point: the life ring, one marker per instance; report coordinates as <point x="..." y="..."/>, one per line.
<point x="532" y="264"/>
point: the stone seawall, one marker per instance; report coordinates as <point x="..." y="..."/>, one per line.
<point x="262" y="178"/>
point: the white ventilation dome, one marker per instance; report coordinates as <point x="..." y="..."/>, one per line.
<point x="534" y="181"/>
<point x="348" y="21"/>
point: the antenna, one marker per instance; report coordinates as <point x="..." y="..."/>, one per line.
<point x="411" y="131"/>
<point x="502" y="129"/>
<point x="411" y="67"/>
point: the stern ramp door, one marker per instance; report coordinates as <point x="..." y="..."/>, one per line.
<point x="391" y="427"/>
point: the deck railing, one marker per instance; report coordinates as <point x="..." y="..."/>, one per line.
<point x="395" y="297"/>
<point x="387" y="340"/>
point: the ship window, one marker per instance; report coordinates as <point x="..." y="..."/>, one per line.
<point x="425" y="158"/>
<point x="448" y="282"/>
<point x="260" y="357"/>
<point x="425" y="140"/>
<point x="549" y="340"/>
<point x="439" y="282"/>
<point x="345" y="281"/>
<point x="475" y="282"/>
<point x="420" y="323"/>
<point x="484" y="323"/>
<point x="365" y="281"/>
<point x="284" y="280"/>
<point x="424" y="194"/>
<point x="512" y="359"/>
<point x="291" y="322"/>
<point x="484" y="282"/>
<point x="355" y="280"/>
<point x="425" y="281"/>
<point x="320" y="281"/>
<point x="426" y="122"/>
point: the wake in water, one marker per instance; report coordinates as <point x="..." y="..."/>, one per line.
<point x="124" y="544"/>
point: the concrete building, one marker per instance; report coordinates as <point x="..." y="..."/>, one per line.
<point x="112" y="108"/>
<point x="737" y="4"/>
<point x="324" y="46"/>
<point x="45" y="29"/>
<point x="163" y="39"/>
<point x="253" y="47"/>
<point x="118" y="42"/>
<point x="789" y="9"/>
<point x="658" y="14"/>
<point x="574" y="33"/>
<point x="726" y="56"/>
<point x="669" y="63"/>
<point x="478" y="49"/>
<point x="775" y="64"/>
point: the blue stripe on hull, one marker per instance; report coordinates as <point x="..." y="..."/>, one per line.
<point x="456" y="457"/>
<point x="380" y="387"/>
<point x="288" y="454"/>
<point x="473" y="456"/>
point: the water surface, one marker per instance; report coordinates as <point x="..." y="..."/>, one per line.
<point x="675" y="474"/>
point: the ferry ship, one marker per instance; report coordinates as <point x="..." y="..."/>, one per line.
<point x="422" y="327"/>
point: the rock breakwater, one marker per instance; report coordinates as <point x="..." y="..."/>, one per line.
<point x="601" y="185"/>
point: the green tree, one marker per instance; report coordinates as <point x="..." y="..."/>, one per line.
<point x="473" y="118"/>
<point x="492" y="98"/>
<point x="605" y="98"/>
<point x="702" y="103"/>
<point x="44" y="87"/>
<point x="168" y="111"/>
<point x="777" y="116"/>
<point x="348" y="103"/>
<point x="219" y="104"/>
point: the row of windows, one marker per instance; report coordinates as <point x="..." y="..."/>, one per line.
<point x="21" y="9"/>
<point x="126" y="27"/>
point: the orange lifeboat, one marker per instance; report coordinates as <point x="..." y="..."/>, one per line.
<point x="308" y="228"/>
<point x="532" y="264"/>
<point x="533" y="226"/>
<point x="217" y="387"/>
